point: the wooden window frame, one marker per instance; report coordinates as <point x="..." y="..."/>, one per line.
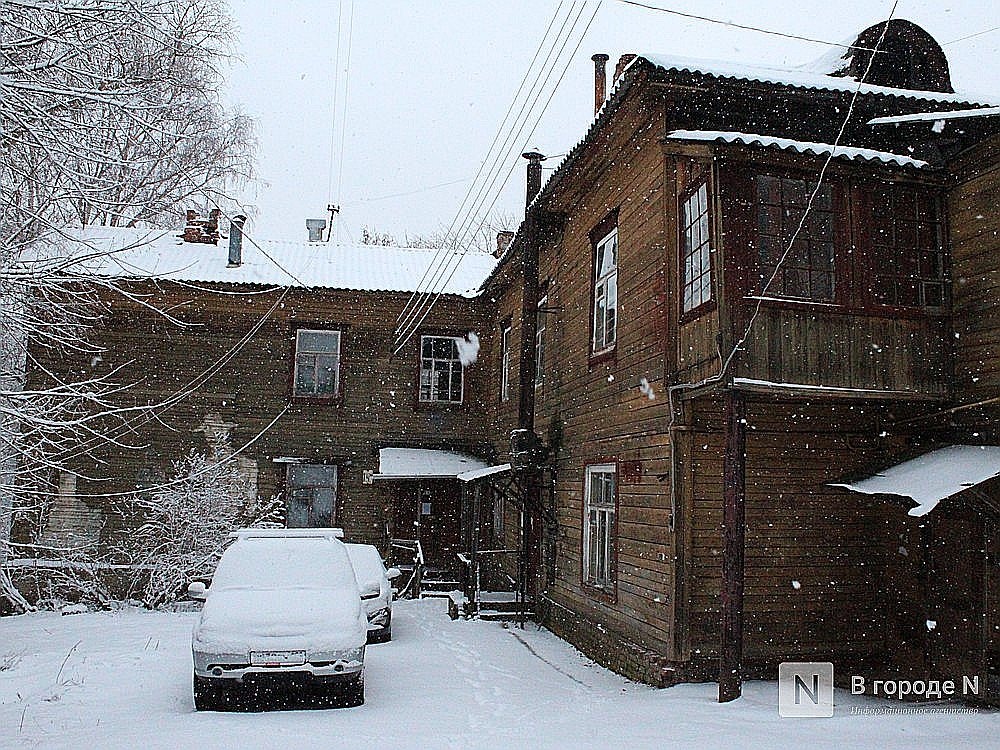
<point x="606" y="588"/>
<point x="333" y="398"/>
<point x="834" y="271"/>
<point x="707" y="304"/>
<point x="420" y="372"/>
<point x="607" y="228"/>
<point x="506" y="331"/>
<point x="540" y="326"/>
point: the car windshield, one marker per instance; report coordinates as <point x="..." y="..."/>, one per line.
<point x="282" y="563"/>
<point x="366" y="561"/>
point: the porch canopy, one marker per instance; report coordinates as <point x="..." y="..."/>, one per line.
<point x="488" y="471"/>
<point x="424" y="463"/>
<point x="934" y="476"/>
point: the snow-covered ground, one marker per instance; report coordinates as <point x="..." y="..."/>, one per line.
<point x="123" y="680"/>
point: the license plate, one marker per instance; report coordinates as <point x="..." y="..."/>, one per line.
<point x="277" y="658"/>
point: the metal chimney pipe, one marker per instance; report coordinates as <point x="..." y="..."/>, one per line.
<point x="600" y="80"/>
<point x="534" y="182"/>
<point x="236" y="241"/>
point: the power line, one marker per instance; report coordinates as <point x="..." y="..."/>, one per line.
<point x="405" y="312"/>
<point x="452" y="241"/>
<point x="343" y="119"/>
<point x="744" y="27"/>
<point x="971" y="36"/>
<point x="513" y="164"/>
<point x="333" y="106"/>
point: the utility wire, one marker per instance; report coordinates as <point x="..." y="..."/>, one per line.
<point x="744" y="27"/>
<point x="511" y="169"/>
<point x="404" y="313"/>
<point x="333" y="106"/>
<point x="446" y="270"/>
<point x="343" y="119"/>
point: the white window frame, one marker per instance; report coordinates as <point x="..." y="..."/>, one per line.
<point x="540" y="341"/>
<point x="600" y="509"/>
<point x="605" y="334"/>
<point x="432" y="365"/>
<point x="696" y="250"/>
<point x="302" y="355"/>
<point x="505" y="362"/>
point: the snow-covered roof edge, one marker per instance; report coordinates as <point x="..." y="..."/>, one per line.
<point x="799" y="147"/>
<point x="955" y="114"/>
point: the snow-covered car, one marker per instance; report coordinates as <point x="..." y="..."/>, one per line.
<point x="283" y="613"/>
<point x="374" y="581"/>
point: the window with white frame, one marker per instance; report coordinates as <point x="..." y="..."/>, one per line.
<point x="696" y="250"/>
<point x="599" y="520"/>
<point x="505" y="363"/>
<point x="440" y="370"/>
<point x="540" y="341"/>
<point x="605" y="292"/>
<point x="317" y="363"/>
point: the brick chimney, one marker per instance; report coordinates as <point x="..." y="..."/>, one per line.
<point x="204" y="231"/>
<point x="504" y="239"/>
<point x="600" y="80"/>
<point x="623" y="63"/>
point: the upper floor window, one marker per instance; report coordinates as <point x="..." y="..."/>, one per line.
<point x="908" y="260"/>
<point x="440" y="370"/>
<point x="600" y="532"/>
<point x="540" y="341"/>
<point x="317" y="363"/>
<point x="505" y="363"/>
<point x="696" y="250"/>
<point x="807" y="271"/>
<point x="605" y="292"/>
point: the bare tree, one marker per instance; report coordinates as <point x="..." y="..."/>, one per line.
<point x="482" y="237"/>
<point x="110" y="115"/>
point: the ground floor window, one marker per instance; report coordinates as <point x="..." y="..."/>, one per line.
<point x="312" y="496"/>
<point x="599" y="526"/>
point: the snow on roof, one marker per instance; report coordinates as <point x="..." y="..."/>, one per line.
<point x="120" y="253"/>
<point x="424" y="463"/>
<point x="468" y="476"/>
<point x="801" y="77"/>
<point x="934" y="476"/>
<point x="800" y="147"/>
<point x="955" y="114"/>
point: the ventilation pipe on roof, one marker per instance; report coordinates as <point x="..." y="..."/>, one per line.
<point x="600" y="80"/>
<point x="534" y="182"/>
<point x="315" y="227"/>
<point x="236" y="241"/>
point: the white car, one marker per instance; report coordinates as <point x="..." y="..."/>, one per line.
<point x="283" y="613"/>
<point x="376" y="589"/>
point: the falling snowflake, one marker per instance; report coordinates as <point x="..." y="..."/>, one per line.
<point x="468" y="349"/>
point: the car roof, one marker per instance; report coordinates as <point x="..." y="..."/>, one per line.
<point x="285" y="562"/>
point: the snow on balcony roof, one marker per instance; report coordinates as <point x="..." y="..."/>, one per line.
<point x="468" y="476"/>
<point x="424" y="463"/>
<point x="800" y="147"/>
<point x="934" y="476"/>
<point x="800" y="77"/>
<point x="112" y="252"/>
<point x="955" y="114"/>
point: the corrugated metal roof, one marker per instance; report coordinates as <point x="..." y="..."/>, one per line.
<point x="799" y="147"/>
<point x="119" y="253"/>
<point x="956" y="114"/>
<point x="800" y="77"/>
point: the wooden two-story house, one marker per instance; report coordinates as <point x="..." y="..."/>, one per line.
<point x="739" y="296"/>
<point x="276" y="356"/>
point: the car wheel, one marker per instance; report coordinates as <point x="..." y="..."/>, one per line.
<point x="383" y="635"/>
<point x="206" y="695"/>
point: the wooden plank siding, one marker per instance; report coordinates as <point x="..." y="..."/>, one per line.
<point x="378" y="405"/>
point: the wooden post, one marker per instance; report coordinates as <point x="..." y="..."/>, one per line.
<point x="733" y="544"/>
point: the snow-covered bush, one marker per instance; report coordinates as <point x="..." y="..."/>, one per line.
<point x="182" y="526"/>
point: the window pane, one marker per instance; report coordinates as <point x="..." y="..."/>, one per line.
<point x="318" y="341"/>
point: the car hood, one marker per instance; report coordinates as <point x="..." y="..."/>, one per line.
<point x="239" y="620"/>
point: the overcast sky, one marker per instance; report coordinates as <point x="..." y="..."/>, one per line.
<point x="429" y="82"/>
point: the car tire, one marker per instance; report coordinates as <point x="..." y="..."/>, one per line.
<point x="383" y="635"/>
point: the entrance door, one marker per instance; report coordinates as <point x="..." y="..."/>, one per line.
<point x="312" y="496"/>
